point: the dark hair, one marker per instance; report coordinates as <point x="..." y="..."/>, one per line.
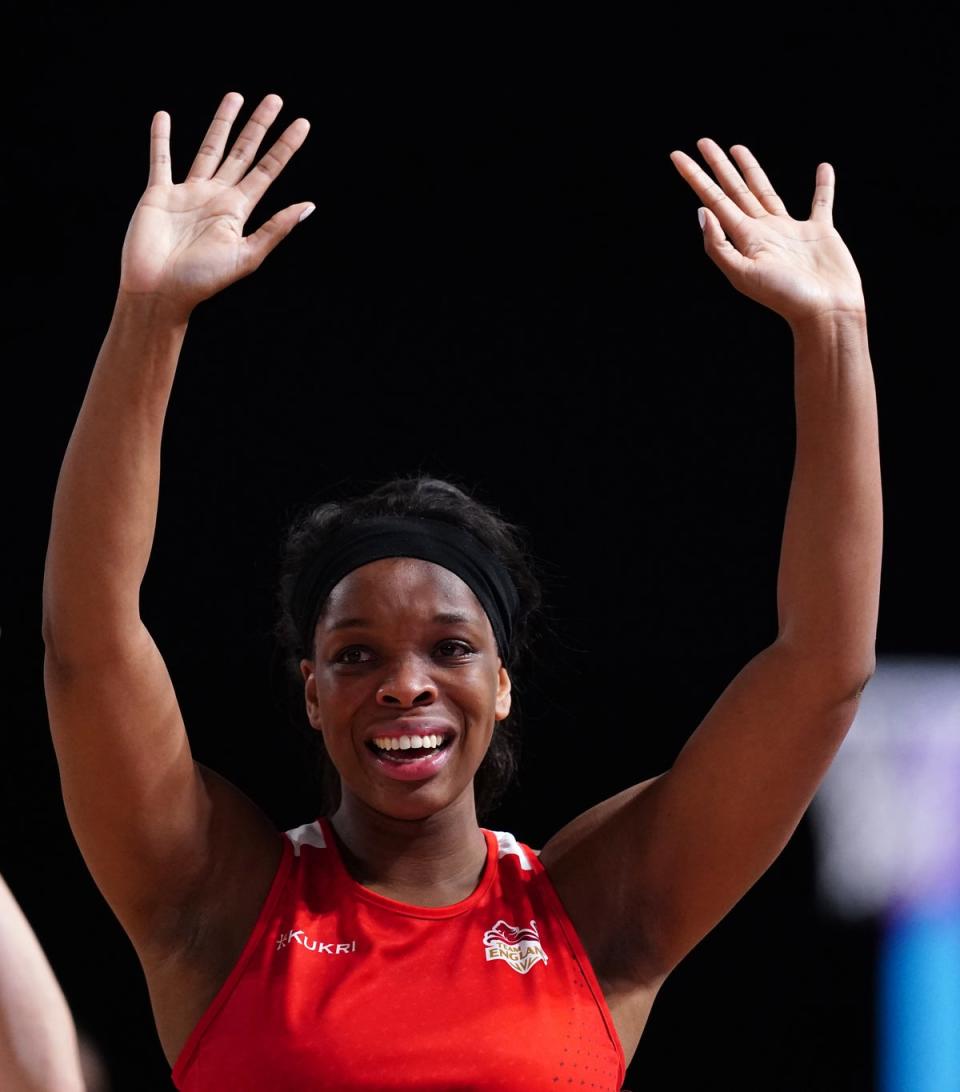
<point x="432" y="498"/>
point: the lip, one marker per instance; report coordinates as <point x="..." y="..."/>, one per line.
<point x="411" y="769"/>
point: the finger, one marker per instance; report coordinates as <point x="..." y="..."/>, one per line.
<point x="240" y="156"/>
<point x="822" y="207"/>
<point x="159" y="150"/>
<point x="254" y="186"/>
<point x="719" y="249"/>
<point x="729" y="178"/>
<point x="730" y="215"/>
<point x="211" y="150"/>
<point x="277" y="228"/>
<point x="757" y="180"/>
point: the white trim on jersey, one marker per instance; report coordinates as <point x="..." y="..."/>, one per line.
<point x="508" y="844"/>
<point x="309" y="834"/>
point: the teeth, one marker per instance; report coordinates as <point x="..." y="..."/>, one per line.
<point x="407" y="743"/>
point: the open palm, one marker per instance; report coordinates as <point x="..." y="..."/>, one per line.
<point x="185" y="241"/>
<point x="798" y="268"/>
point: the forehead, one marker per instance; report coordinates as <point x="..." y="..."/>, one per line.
<point x="400" y="584"/>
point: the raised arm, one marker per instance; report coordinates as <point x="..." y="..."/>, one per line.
<point x="661" y="863"/>
<point x="157" y="832"/>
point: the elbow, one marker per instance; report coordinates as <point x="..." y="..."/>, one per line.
<point x="843" y="684"/>
<point x="52" y="619"/>
<point x="79" y="646"/>
<point x="838" y="677"/>
<point x="864" y="678"/>
<point x="55" y="633"/>
<point x="853" y="675"/>
<point x="48" y="631"/>
<point x="80" y="631"/>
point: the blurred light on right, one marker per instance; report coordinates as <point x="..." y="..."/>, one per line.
<point x="886" y="824"/>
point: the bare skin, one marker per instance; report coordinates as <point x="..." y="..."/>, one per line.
<point x="39" y="1051"/>
<point x="185" y="859"/>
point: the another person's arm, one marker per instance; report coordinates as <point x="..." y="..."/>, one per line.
<point x="160" y="835"/>
<point x="658" y="865"/>
<point x="38" y="1040"/>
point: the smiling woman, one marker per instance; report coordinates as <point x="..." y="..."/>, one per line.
<point x="417" y="672"/>
<point x="282" y="960"/>
<point x="496" y="580"/>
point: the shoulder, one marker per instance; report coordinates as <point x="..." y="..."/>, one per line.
<point x="309" y="834"/>
<point x="508" y="845"/>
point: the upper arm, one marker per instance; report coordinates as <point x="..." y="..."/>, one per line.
<point x="158" y="833"/>
<point x="662" y="862"/>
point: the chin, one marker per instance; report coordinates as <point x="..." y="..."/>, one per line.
<point x="417" y="802"/>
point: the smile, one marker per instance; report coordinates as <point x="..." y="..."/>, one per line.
<point x="410" y="758"/>
<point x="408" y="743"/>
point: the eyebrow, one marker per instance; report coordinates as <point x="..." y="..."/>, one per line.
<point x="445" y="618"/>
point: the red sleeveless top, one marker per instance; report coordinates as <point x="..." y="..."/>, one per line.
<point x="344" y="989"/>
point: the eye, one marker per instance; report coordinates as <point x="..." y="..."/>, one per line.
<point x="452" y="650"/>
<point x="354" y="654"/>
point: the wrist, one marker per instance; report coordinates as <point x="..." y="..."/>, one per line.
<point x="151" y="311"/>
<point x="829" y="323"/>
<point x="146" y="334"/>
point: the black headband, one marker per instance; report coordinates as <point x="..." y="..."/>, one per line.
<point x="426" y="539"/>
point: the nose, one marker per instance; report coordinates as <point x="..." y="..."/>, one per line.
<point x="407" y="685"/>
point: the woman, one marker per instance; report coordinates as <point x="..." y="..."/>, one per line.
<point x="396" y="943"/>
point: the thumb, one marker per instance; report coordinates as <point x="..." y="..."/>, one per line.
<point x="270" y="234"/>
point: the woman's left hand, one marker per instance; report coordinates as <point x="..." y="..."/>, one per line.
<point x="799" y="268"/>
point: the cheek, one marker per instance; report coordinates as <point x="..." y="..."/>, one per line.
<point x="479" y="698"/>
<point x="338" y="698"/>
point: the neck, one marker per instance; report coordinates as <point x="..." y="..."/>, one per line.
<point x="440" y="856"/>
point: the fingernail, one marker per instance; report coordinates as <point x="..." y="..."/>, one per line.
<point x="306" y="212"/>
<point x="702" y="217"/>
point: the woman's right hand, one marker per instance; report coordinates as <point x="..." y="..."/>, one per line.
<point x="185" y="241"/>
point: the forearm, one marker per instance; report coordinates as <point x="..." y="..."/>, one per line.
<point x="105" y="507"/>
<point x="829" y="579"/>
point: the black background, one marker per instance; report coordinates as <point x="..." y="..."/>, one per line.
<point x="503" y="283"/>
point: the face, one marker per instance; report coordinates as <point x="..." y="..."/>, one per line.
<point x="405" y="685"/>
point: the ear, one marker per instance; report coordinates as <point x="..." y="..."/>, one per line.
<point x="310" y="693"/>
<point x="502" y="707"/>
